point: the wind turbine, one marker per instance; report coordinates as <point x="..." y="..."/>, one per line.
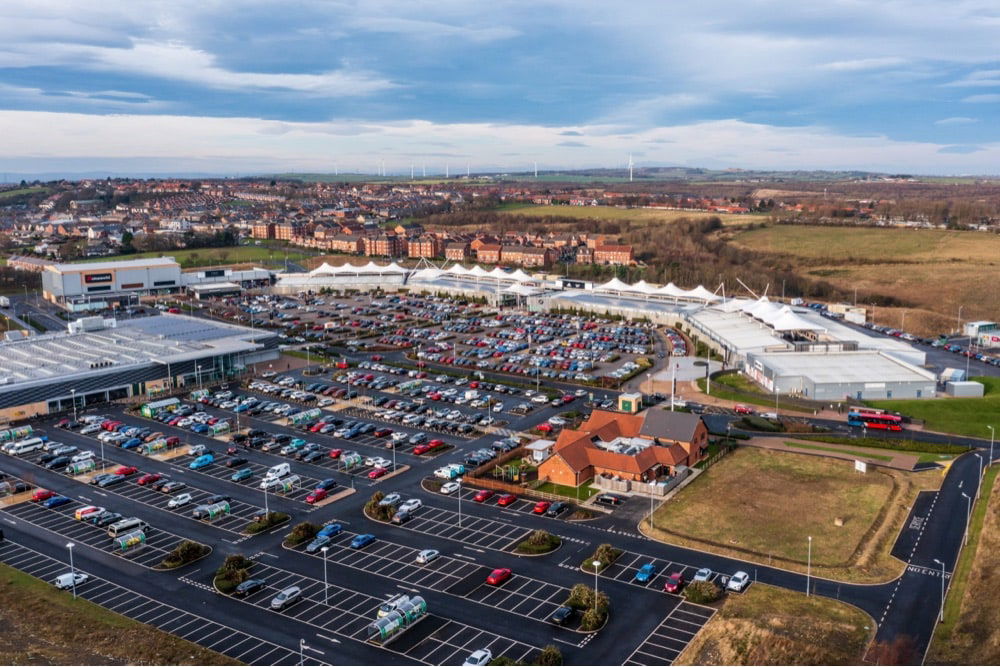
<point x="630" y="165"/>
<point x="536" y="170"/>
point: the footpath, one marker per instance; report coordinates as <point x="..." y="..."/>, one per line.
<point x="882" y="457"/>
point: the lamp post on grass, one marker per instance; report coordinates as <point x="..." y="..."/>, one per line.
<point x="809" y="565"/>
<point x="72" y="570"/>
<point x="968" y="516"/>
<point x="597" y="568"/>
<point x="979" y="481"/>
<point x="992" y="434"/>
<point x="326" y="586"/>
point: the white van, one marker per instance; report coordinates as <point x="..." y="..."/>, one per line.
<point x="26" y="446"/>
<point x="126" y="526"/>
<point x="278" y="471"/>
<point x="85" y="455"/>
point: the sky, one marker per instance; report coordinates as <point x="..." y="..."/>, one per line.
<point x="242" y="87"/>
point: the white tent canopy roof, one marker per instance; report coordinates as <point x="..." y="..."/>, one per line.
<point x="643" y="287"/>
<point x="497" y="272"/>
<point x="789" y="321"/>
<point x="519" y="275"/>
<point x="614" y="285"/>
<point x="478" y="272"/>
<point x="458" y="270"/>
<point x="427" y="273"/>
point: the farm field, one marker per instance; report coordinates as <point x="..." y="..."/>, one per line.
<point x="634" y="214"/>
<point x="7" y="194"/>
<point x="789" y="497"/>
<point x="932" y="270"/>
<point x="212" y="256"/>
<point x="775" y="626"/>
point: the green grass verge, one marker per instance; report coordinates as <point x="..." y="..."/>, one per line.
<point x="729" y="393"/>
<point x="960" y="576"/>
<point x="585" y="491"/>
<point x="50" y="623"/>
<point x="900" y="445"/>
<point x="868" y="455"/>
<point x="964" y="416"/>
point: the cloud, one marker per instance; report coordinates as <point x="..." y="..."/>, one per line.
<point x="434" y="30"/>
<point x="982" y="99"/>
<point x="984" y="78"/>
<point x="248" y="144"/>
<point x="570" y="133"/>
<point x="862" y="64"/>
<point x="960" y="149"/>
<point x="572" y="144"/>
<point x="956" y="120"/>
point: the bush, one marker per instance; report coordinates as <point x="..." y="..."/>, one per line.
<point x="702" y="592"/>
<point x="376" y="511"/>
<point x="605" y="554"/>
<point x="272" y="519"/>
<point x="754" y="423"/>
<point x="581" y="596"/>
<point x="184" y="553"/>
<point x="592" y="619"/>
<point x="550" y="655"/>
<point x="302" y="532"/>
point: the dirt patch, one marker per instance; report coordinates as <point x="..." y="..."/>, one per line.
<point x="774" y="626"/>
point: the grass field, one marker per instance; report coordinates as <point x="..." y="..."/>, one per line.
<point x="764" y="504"/>
<point x="215" y="256"/>
<point x="775" y="626"/>
<point x="969" y="634"/>
<point x="931" y="270"/>
<point x="40" y="625"/>
<point x="7" y="194"/>
<point x="966" y="416"/>
<point x="570" y="492"/>
<point x="635" y="214"/>
<point x="821" y="448"/>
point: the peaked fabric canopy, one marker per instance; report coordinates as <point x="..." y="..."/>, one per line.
<point x="478" y="272"/>
<point x="458" y="270"/>
<point x="614" y="285"/>
<point x="520" y="276"/>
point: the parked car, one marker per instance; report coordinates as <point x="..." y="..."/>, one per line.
<point x="674" y="583"/>
<point x="427" y="555"/>
<point x="563" y="615"/>
<point x="498" y="576"/>
<point x="645" y="573"/>
<point x="738" y="582"/>
<point x="361" y="541"/>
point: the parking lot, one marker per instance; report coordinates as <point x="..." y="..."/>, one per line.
<point x="521" y="505"/>
<point x="345" y="613"/>
<point x="470" y="530"/>
<point x="628" y="563"/>
<point x="520" y="595"/>
<point x="672" y="635"/>
<point x="158" y="543"/>
<point x="226" y="640"/>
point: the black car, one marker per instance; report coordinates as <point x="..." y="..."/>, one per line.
<point x="256" y="433"/>
<point x="111" y="480"/>
<point x="609" y="499"/>
<point x="235" y="461"/>
<point x="327" y="484"/>
<point x="44" y="460"/>
<point x="97" y="479"/>
<point x="20" y="487"/>
<point x="58" y="463"/>
<point x="401" y="517"/>
<point x="221" y="498"/>
<point x="105" y="518"/>
<point x="313" y="456"/>
<point x="563" y="615"/>
<point x="556" y="508"/>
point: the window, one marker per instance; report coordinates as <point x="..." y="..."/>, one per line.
<point x="99" y="288"/>
<point x="164" y="283"/>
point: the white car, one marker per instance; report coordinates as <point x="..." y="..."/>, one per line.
<point x="498" y="407"/>
<point x="738" y="582"/>
<point x="380" y="462"/>
<point x="703" y="574"/>
<point x="92" y="428"/>
<point x="65" y="582"/>
<point x="450" y="487"/>
<point x="411" y="505"/>
<point x="390" y="499"/>
<point x="427" y="555"/>
<point x="580" y="393"/>
<point x="478" y="658"/>
<point x="179" y="501"/>
<point x="539" y="398"/>
<point x="557" y="421"/>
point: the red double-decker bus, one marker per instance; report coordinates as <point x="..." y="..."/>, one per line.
<point x="875" y="419"/>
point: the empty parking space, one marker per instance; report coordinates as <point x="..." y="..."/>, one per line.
<point x="158" y="543"/>
<point x="347" y="613"/>
<point x="221" y="638"/>
<point x="672" y="635"/>
<point x="470" y="530"/>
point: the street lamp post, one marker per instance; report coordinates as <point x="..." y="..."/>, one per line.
<point x="968" y="516"/>
<point x="302" y="642"/>
<point x="992" y="433"/>
<point x="326" y="587"/>
<point x="72" y="570"/>
<point x="72" y="392"/>
<point x="597" y="568"/>
<point x="979" y="480"/>
<point x="198" y="372"/>
<point x="809" y="561"/>
<point x="459" y="482"/>
<point x="941" y="613"/>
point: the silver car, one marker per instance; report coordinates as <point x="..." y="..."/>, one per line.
<point x="286" y="597"/>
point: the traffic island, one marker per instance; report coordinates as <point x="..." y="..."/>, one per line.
<point x="605" y="554"/>
<point x="185" y="553"/>
<point x="592" y="614"/>
<point x="271" y="520"/>
<point x="302" y="532"/>
<point x="233" y="572"/>
<point x="539" y="543"/>
<point x="343" y="493"/>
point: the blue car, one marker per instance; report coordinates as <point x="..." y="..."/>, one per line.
<point x="645" y="573"/>
<point x="240" y="475"/>
<point x="318" y="543"/>
<point x="131" y="444"/>
<point x="200" y="428"/>
<point x="362" y="541"/>
<point x="331" y="530"/>
<point x="55" y="501"/>
<point x="202" y="461"/>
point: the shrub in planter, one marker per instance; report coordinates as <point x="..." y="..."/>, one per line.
<point x="550" y="655"/>
<point x="302" y="532"/>
<point x="184" y="553"/>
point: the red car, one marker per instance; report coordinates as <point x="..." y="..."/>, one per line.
<point x="42" y="494"/>
<point x="498" y="576"/>
<point x="743" y="409"/>
<point x="674" y="583"/>
<point x="376" y="473"/>
<point x="173" y="441"/>
<point x="316" y="427"/>
<point x="232" y="449"/>
<point x="126" y="470"/>
<point x="382" y="432"/>
<point x="506" y="499"/>
<point x="483" y="496"/>
<point x="335" y="453"/>
<point x="62" y="422"/>
<point x="316" y="496"/>
<point x="541" y="507"/>
<point x="149" y="478"/>
<point x="544" y="427"/>
<point x="422" y="449"/>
